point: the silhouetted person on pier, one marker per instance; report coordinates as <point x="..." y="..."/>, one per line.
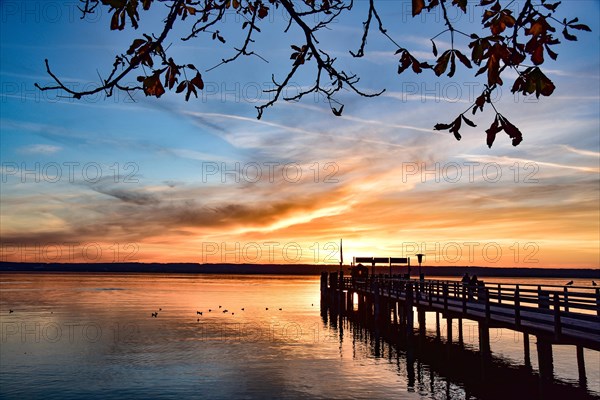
<point x="472" y="286"/>
<point x="465" y="279"/>
<point x="465" y="283"/>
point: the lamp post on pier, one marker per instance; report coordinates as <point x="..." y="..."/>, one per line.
<point x="341" y="256"/>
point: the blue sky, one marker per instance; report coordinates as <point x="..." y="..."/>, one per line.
<point x="149" y="176"/>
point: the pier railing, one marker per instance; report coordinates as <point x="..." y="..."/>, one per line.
<point x="569" y="313"/>
<point x="553" y="314"/>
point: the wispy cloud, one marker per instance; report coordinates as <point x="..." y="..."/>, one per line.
<point x="587" y="153"/>
<point x="512" y="160"/>
<point x="40" y="149"/>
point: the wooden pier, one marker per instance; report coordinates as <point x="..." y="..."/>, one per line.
<point x="555" y="315"/>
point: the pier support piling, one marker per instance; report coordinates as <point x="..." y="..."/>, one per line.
<point x="409" y="309"/>
<point x="410" y="320"/>
<point x="484" y="339"/>
<point x="421" y="317"/>
<point x="581" y="367"/>
<point x="323" y="283"/>
<point x="527" y="356"/>
<point x="545" y="362"/>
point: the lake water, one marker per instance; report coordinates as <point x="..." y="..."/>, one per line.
<point x="73" y="336"/>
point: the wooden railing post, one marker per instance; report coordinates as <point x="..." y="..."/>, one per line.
<point x="499" y="294"/>
<point x="431" y="294"/>
<point x="464" y="298"/>
<point x="566" y="300"/>
<point x="557" y="326"/>
<point x="487" y="303"/>
<point x="417" y="293"/>
<point x="517" y="307"/>
<point x="445" y="294"/>
<point x="598" y="302"/>
<point x="543" y="299"/>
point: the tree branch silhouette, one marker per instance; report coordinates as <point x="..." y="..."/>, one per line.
<point x="509" y="41"/>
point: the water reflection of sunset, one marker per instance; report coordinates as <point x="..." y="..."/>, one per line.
<point x="96" y="332"/>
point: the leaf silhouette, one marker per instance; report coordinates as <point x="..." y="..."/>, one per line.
<point x="468" y="121"/>
<point x="452" y="127"/>
<point x="435" y="52"/>
<point x="492" y="131"/>
<point x="552" y="7"/>
<point x="572" y="24"/>
<point x="568" y="36"/>
<point x="152" y="85"/>
<point x="171" y="74"/>
<point x="462" y="4"/>
<point x="479" y="102"/>
<point x="337" y="112"/>
<point x="502" y="124"/>
<point x="533" y="80"/>
<point x="442" y="63"/>
<point x="407" y="60"/>
<point x="417" y="7"/>
<point x="513" y="132"/>
<point x="197" y="81"/>
<point x="463" y="59"/>
<point x="498" y="19"/>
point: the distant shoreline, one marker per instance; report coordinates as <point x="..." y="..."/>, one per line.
<point x="289" y="269"/>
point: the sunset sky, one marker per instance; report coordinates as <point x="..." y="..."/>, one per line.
<point x="204" y="181"/>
